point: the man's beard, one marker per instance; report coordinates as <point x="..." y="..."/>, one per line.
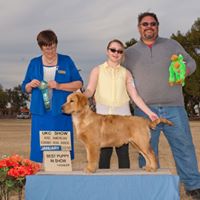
<point x="148" y="36"/>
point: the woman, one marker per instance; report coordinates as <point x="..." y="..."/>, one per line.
<point x="62" y="78"/>
<point x="112" y="84"/>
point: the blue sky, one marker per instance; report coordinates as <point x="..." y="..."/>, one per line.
<point x="83" y="28"/>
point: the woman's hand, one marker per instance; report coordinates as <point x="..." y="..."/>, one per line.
<point x="33" y="84"/>
<point x="53" y="84"/>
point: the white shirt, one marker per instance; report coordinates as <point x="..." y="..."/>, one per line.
<point x="108" y="110"/>
<point x="49" y="75"/>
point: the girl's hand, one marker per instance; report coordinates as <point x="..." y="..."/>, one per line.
<point x="153" y="116"/>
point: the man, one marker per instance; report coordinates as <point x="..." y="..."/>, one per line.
<point x="149" y="61"/>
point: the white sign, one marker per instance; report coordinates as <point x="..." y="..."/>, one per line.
<point x="55" y="140"/>
<point x="57" y="161"/>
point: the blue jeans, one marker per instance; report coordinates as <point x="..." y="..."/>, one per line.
<point x="180" y="140"/>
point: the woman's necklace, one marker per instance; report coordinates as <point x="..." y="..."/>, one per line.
<point x="47" y="61"/>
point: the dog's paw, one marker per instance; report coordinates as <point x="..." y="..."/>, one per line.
<point x="153" y="169"/>
<point x="89" y="170"/>
<point x="147" y="168"/>
<point x="150" y="169"/>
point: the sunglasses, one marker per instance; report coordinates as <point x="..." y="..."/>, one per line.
<point x="145" y="24"/>
<point x="115" y="50"/>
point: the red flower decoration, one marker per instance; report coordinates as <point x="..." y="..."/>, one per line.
<point x="13" y="172"/>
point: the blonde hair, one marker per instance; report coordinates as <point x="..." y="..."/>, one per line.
<point x="117" y="41"/>
<point x="121" y="44"/>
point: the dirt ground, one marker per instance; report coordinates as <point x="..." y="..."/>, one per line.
<point x="15" y="139"/>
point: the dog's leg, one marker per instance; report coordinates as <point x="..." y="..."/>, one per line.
<point x="92" y="158"/>
<point x="148" y="154"/>
<point x="144" y="154"/>
<point x="152" y="158"/>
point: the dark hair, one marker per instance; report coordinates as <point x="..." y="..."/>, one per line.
<point x="46" y="38"/>
<point x="145" y="14"/>
<point x="117" y="41"/>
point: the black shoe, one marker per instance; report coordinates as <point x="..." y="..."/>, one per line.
<point x="195" y="194"/>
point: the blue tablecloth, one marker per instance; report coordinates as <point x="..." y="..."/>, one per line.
<point x="109" y="186"/>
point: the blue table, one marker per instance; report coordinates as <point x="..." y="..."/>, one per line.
<point x="123" y="185"/>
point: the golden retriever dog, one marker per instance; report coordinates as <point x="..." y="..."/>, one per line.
<point x="97" y="131"/>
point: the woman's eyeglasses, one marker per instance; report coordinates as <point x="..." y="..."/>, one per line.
<point x="49" y="48"/>
<point x="145" y="24"/>
<point x="115" y="50"/>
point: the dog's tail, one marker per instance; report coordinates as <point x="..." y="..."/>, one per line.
<point x="154" y="123"/>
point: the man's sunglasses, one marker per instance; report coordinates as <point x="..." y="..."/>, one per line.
<point x="145" y="24"/>
<point x="115" y="50"/>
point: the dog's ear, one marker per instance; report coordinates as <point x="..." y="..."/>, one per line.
<point x="82" y="99"/>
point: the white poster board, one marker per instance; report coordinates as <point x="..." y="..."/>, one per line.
<point x="53" y="139"/>
<point x="56" y="146"/>
<point x="57" y="161"/>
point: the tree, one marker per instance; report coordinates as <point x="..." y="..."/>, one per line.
<point x="3" y="101"/>
<point x="12" y="100"/>
<point x="130" y="43"/>
<point x="17" y="99"/>
<point x="190" y="41"/>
